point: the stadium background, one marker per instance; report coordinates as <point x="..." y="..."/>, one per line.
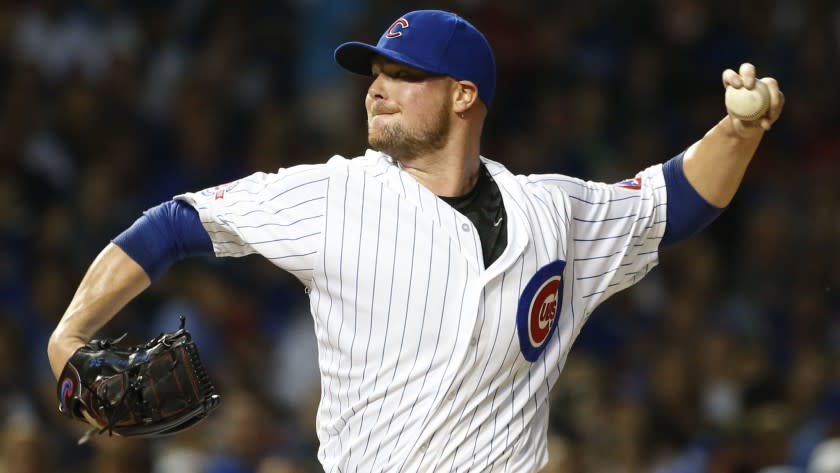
<point x="725" y="359"/>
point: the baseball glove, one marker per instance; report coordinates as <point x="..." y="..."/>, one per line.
<point x="149" y="390"/>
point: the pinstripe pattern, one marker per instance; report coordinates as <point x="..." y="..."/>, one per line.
<point x="418" y="350"/>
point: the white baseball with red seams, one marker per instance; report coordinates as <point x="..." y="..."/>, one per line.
<point x="748" y="104"/>
<point x="429" y="361"/>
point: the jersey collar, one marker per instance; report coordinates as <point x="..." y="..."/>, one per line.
<point x="403" y="183"/>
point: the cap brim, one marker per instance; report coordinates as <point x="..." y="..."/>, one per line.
<point x="356" y="57"/>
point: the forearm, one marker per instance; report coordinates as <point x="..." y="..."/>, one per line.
<point x="112" y="280"/>
<point x="716" y="164"/>
<point x="164" y="234"/>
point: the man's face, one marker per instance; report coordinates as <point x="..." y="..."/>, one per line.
<point x="408" y="110"/>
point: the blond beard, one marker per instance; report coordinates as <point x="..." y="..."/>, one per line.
<point x="404" y="145"/>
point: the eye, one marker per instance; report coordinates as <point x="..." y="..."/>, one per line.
<point x="409" y="75"/>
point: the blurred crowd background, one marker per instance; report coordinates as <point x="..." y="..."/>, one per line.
<point x="726" y="358"/>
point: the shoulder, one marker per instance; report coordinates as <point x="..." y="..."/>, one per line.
<point x="570" y="185"/>
<point x="531" y="183"/>
<point x="302" y="173"/>
<point x="372" y="162"/>
<point x="371" y="165"/>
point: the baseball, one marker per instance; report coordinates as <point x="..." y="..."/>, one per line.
<point x="746" y="104"/>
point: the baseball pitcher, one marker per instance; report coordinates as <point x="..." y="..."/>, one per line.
<point x="445" y="291"/>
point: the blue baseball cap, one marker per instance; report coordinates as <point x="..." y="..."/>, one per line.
<point x="434" y="41"/>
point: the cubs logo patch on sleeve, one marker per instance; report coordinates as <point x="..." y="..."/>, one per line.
<point x="635" y="183"/>
<point x="218" y="192"/>
<point x="539" y="307"/>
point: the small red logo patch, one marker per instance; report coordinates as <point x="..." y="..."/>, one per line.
<point x="219" y="191"/>
<point x="395" y="30"/>
<point x="635" y="183"/>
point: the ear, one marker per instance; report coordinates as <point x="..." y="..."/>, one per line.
<point x="464" y="96"/>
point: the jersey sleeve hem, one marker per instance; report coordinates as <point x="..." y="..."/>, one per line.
<point x="206" y="219"/>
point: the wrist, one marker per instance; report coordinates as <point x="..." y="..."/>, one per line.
<point x="741" y="130"/>
<point x="60" y="349"/>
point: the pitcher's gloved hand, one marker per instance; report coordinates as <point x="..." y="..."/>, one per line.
<point x="154" y="389"/>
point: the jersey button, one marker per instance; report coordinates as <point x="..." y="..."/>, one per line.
<point x="465" y="227"/>
<point x="450" y="397"/>
<point x="473" y="341"/>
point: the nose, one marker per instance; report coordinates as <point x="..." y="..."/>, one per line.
<point x="376" y="90"/>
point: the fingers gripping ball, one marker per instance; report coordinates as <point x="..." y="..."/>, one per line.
<point x="154" y="389"/>
<point x="747" y="104"/>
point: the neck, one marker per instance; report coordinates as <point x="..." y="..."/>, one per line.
<point x="452" y="170"/>
<point x="446" y="175"/>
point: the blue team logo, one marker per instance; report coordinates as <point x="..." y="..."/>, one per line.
<point x="67" y="390"/>
<point x="539" y="307"/>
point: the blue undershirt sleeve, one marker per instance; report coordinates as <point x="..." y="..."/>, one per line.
<point x="687" y="211"/>
<point x="165" y="234"/>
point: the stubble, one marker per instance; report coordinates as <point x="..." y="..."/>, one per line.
<point x="404" y="144"/>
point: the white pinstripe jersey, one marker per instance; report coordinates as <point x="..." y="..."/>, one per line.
<point x="430" y="362"/>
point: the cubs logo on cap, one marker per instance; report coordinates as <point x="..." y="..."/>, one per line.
<point x="538" y="310"/>
<point x="395" y="30"/>
<point x="434" y="41"/>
